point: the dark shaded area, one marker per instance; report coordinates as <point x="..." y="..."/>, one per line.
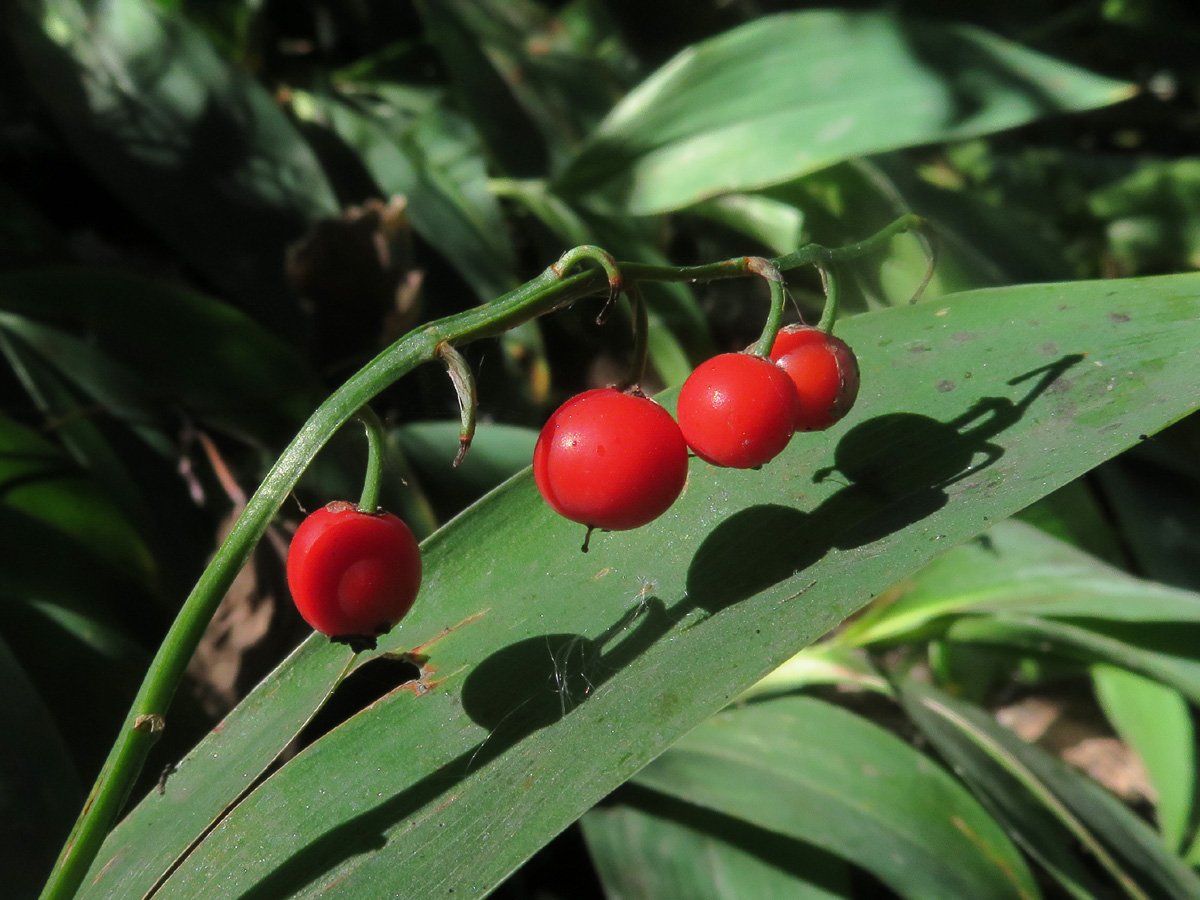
<point x="370" y="682"/>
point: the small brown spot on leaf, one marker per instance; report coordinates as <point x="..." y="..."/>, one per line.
<point x="1048" y="349"/>
<point x="1118" y="317"/>
<point x="945" y="386"/>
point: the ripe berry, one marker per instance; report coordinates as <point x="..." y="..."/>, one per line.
<point x="608" y="459"/>
<point x="823" y="369"/>
<point x="737" y="410"/>
<point x="353" y="575"/>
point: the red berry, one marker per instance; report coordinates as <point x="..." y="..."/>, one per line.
<point x="737" y="410"/>
<point x="610" y="460"/>
<point x="823" y="369"/>
<point x="353" y="574"/>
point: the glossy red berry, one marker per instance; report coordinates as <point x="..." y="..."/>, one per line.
<point x="737" y="410"/>
<point x="353" y="574"/>
<point x="611" y="460"/>
<point x="823" y="369"/>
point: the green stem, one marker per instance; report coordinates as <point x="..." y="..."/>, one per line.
<point x="551" y="290"/>
<point x="369" y="501"/>
<point x="774" y="281"/>
<point x="829" y="313"/>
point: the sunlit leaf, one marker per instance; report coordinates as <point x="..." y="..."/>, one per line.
<point x="827" y="85"/>
<point x="1155" y="721"/>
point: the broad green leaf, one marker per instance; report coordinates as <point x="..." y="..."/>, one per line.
<point x="550" y="676"/>
<point x="1155" y="721"/>
<point x="812" y="772"/>
<point x="39" y="787"/>
<point x="184" y="348"/>
<point x="1016" y="569"/>
<point x="431" y="156"/>
<point x="826" y="85"/>
<point x="196" y="148"/>
<point x="1047" y="806"/>
<point x="645" y="844"/>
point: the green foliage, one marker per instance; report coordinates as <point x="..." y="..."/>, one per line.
<point x="793" y="684"/>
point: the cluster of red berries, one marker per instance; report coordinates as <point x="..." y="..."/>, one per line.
<point x="614" y="460"/>
<point x="606" y="459"/>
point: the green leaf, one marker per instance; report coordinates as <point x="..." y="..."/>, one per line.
<point x="1160" y="647"/>
<point x="196" y="148"/>
<point x="1047" y="806"/>
<point x="1016" y="570"/>
<point x="826" y="86"/>
<point x="1155" y="721"/>
<point x="646" y="844"/>
<point x="810" y="771"/>
<point x="550" y="676"/>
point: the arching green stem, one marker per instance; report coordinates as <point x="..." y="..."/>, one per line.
<point x="369" y="501"/>
<point x="612" y="271"/>
<point x="551" y="290"/>
<point x="829" y="282"/>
